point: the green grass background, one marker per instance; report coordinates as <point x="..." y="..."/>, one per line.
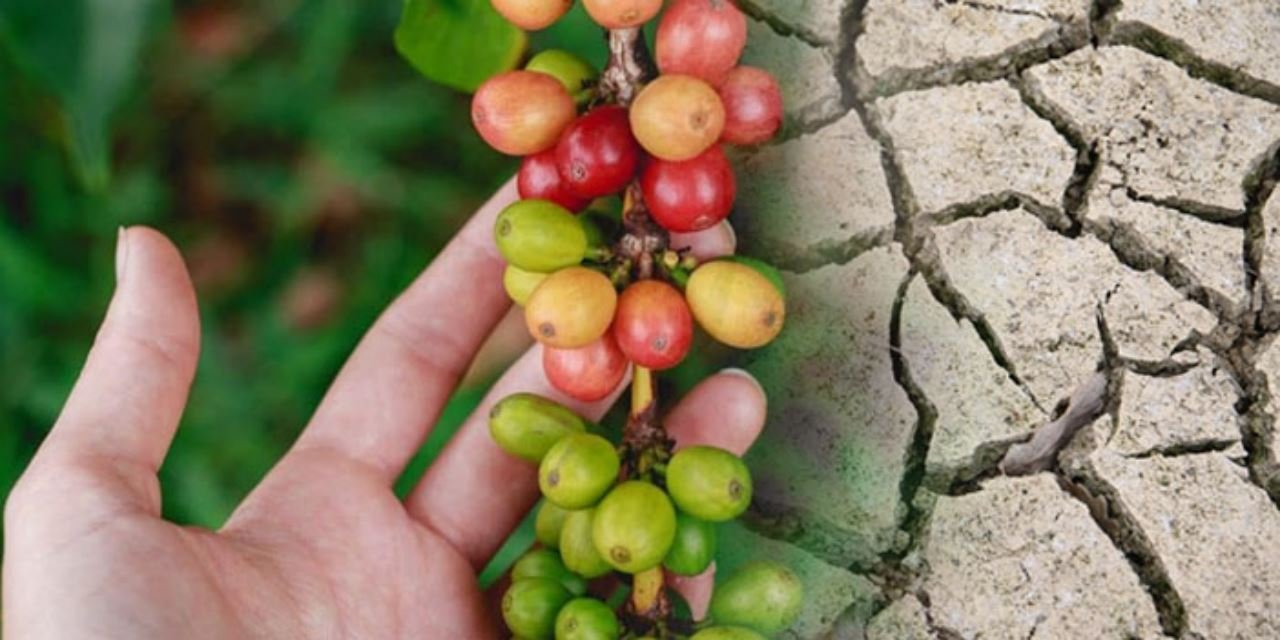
<point x="307" y="172"/>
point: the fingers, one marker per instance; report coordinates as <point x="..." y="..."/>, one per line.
<point x="509" y="340"/>
<point x="716" y="242"/>
<point x="695" y="590"/>
<point x="393" y="387"/>
<point x="727" y="411"/>
<point x="475" y="494"/>
<point x="126" y="405"/>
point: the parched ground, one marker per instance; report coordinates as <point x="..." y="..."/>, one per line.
<point x="979" y="205"/>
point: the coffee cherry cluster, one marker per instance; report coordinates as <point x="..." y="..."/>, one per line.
<point x="563" y="267"/>
<point x="592" y="524"/>
<point x="671" y="135"/>
<point x="605" y="292"/>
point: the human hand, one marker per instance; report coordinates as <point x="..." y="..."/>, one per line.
<point x="322" y="547"/>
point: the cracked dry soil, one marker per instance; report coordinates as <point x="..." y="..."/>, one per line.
<point x="980" y="206"/>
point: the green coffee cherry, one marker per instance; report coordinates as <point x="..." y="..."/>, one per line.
<point x="545" y="563"/>
<point x="520" y="283"/>
<point x="578" y="470"/>
<point x="694" y="547"/>
<point x="727" y="633"/>
<point x="587" y="619"/>
<point x="634" y="527"/>
<point x="540" y="236"/>
<point x="764" y="596"/>
<point x="530" y="606"/>
<point x="527" y="426"/>
<point x="548" y="523"/>
<point x="577" y="549"/>
<point x="709" y="483"/>
<point x="577" y="75"/>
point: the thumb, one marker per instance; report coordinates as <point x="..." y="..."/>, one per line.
<point x="131" y="393"/>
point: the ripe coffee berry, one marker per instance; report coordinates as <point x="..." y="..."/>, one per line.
<point x="539" y="179"/>
<point x="522" y="112"/>
<point x="736" y="304"/>
<point x="653" y="326"/>
<point x="588" y="373"/>
<point x="701" y="38"/>
<point x="571" y="308"/>
<point x="597" y="155"/>
<point x="692" y="195"/>
<point x="622" y="14"/>
<point x="677" y="117"/>
<point x="532" y="15"/>
<point x="752" y="106"/>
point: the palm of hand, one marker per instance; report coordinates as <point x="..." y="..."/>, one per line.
<point x="323" y="547"/>
<point x="322" y="550"/>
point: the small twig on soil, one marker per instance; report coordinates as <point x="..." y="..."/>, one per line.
<point x="1087" y="404"/>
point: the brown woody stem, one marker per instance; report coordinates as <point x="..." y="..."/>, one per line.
<point x="645" y="442"/>
<point x="630" y="66"/>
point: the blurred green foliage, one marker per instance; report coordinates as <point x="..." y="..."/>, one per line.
<point x="305" y="169"/>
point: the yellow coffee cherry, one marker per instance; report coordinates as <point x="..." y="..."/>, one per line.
<point x="572" y="308"/>
<point x="736" y="304"/>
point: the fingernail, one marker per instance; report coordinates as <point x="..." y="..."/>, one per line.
<point x="743" y="373"/>
<point x="122" y="254"/>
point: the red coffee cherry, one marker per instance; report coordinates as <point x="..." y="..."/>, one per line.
<point x="692" y="195"/>
<point x="597" y="155"/>
<point x="653" y="325"/>
<point x="701" y="38"/>
<point x="752" y="106"/>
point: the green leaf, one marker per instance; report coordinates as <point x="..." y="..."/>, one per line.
<point x="458" y="43"/>
<point x="85" y="53"/>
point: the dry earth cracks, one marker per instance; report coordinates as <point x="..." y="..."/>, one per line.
<point x="979" y="204"/>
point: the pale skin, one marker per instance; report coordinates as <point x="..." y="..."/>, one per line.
<point x="322" y="548"/>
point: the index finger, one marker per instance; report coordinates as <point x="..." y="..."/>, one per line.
<point x="392" y="389"/>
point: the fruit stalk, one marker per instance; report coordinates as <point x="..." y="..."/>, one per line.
<point x="630" y="66"/>
<point x="644" y="441"/>
<point x="643" y="238"/>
